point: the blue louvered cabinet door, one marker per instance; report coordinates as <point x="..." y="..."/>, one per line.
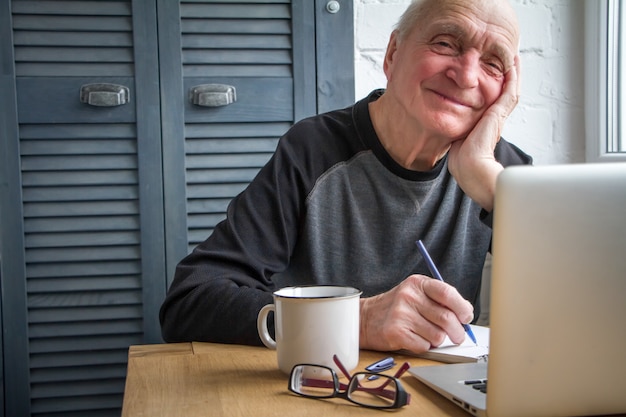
<point x="89" y="149"/>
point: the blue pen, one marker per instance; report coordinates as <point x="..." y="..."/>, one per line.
<point x="381" y="365"/>
<point x="435" y="272"/>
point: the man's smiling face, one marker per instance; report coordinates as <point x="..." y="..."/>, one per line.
<point x="450" y="68"/>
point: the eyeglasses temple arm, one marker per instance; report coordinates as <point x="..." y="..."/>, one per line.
<point x="318" y="383"/>
<point x="342" y="368"/>
<point x="405" y="367"/>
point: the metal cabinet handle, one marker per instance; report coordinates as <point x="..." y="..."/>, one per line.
<point x="104" y="94"/>
<point x="212" y="95"/>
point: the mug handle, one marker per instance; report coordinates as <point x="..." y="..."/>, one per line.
<point x="261" y="324"/>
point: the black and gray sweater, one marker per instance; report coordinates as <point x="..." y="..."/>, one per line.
<point x="330" y="207"/>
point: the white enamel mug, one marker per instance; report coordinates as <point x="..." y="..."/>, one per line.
<point x="312" y="324"/>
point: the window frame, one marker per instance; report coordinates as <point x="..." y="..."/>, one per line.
<point x="602" y="91"/>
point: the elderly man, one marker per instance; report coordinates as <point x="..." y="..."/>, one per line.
<point x="347" y="193"/>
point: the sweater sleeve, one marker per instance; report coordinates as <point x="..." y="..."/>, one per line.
<point x="507" y="154"/>
<point x="220" y="287"/>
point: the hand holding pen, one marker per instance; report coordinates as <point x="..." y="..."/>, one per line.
<point x="415" y="315"/>
<point x="433" y="269"/>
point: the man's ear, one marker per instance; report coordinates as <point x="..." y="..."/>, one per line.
<point x="392" y="47"/>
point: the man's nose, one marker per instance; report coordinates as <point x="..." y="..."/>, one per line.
<point x="466" y="69"/>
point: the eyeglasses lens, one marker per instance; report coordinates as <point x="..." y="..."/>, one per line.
<point x="379" y="392"/>
<point x="312" y="381"/>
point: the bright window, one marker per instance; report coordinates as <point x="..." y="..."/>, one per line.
<point x="605" y="80"/>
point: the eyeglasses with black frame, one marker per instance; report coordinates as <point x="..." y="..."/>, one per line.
<point x="367" y="389"/>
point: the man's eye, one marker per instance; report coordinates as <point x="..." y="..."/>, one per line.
<point x="444" y="46"/>
<point x="494" y="68"/>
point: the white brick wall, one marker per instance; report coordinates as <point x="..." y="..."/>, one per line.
<point x="548" y="123"/>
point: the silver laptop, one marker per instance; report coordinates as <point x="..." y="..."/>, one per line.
<point x="558" y="298"/>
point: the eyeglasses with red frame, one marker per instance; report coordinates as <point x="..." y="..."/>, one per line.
<point x="367" y="389"/>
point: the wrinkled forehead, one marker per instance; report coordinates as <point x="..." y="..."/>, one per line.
<point x="493" y="20"/>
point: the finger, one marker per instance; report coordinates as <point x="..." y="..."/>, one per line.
<point x="438" y="312"/>
<point x="518" y="74"/>
<point x="510" y="95"/>
<point x="449" y="299"/>
<point x="447" y="324"/>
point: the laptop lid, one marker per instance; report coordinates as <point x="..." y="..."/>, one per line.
<point x="558" y="295"/>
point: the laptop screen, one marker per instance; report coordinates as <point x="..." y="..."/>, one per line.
<point x="558" y="296"/>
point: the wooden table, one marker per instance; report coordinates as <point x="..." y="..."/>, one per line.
<point x="206" y="379"/>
